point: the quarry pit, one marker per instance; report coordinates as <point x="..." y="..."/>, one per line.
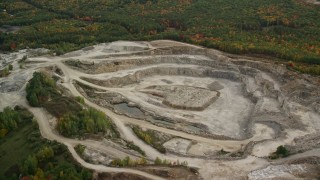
<point x="220" y="112"/>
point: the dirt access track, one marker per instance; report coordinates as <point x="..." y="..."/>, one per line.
<point x="316" y="2"/>
<point x="204" y="99"/>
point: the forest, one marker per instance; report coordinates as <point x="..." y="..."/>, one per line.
<point x="24" y="154"/>
<point x="11" y="119"/>
<point x="285" y="29"/>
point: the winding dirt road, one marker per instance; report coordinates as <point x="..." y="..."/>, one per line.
<point x="48" y="133"/>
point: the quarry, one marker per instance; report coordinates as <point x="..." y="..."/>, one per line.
<point x="222" y="114"/>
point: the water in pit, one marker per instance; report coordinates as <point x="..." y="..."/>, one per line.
<point x="130" y="111"/>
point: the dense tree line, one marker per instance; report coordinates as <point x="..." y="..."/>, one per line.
<point x="11" y="119"/>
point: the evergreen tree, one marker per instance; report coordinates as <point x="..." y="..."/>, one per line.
<point x="29" y="166"/>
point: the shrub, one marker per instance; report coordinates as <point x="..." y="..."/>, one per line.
<point x="80" y="149"/>
<point x="223" y="152"/>
<point x="45" y="153"/>
<point x="24" y="58"/>
<point x="29" y="166"/>
<point x="79" y="99"/>
<point x="157" y="161"/>
<point x="4" y="72"/>
<point x="132" y="146"/>
<point x="281" y="150"/>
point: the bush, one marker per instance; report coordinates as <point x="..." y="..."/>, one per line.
<point x="79" y="99"/>
<point x="4" y="72"/>
<point x="157" y="161"/>
<point x="132" y="146"/>
<point x="29" y="166"/>
<point x="45" y="153"/>
<point x="24" y="58"/>
<point x="80" y="149"/>
<point x="280" y="152"/>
